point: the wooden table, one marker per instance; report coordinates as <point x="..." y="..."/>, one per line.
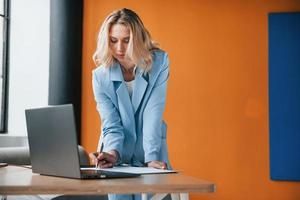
<point x="18" y="180"/>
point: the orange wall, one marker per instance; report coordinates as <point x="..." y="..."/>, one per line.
<point x="217" y="104"/>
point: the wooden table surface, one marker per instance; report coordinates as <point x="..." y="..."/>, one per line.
<point x="19" y="180"/>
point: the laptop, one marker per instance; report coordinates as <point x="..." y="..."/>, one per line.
<point x="53" y="145"/>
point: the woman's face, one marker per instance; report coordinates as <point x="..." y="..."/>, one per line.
<point x="119" y="36"/>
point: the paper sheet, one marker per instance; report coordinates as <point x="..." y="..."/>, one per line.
<point x="134" y="170"/>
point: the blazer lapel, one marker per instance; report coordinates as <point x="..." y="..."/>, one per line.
<point x="140" y="86"/>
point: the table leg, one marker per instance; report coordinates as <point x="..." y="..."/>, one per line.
<point x="184" y="196"/>
<point x="181" y="196"/>
<point x="4" y="197"/>
<point x="144" y="196"/>
<point x="175" y="196"/>
<point x="159" y="196"/>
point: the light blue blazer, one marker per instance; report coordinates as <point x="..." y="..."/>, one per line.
<point x="134" y="127"/>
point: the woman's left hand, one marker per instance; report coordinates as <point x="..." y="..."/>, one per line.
<point x="157" y="164"/>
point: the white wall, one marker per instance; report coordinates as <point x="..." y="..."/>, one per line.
<point x="29" y="60"/>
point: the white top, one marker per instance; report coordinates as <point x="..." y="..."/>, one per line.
<point x="129" y="85"/>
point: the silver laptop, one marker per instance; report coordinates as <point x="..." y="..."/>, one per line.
<point x="53" y="144"/>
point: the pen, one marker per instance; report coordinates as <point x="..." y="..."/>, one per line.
<point x="101" y="149"/>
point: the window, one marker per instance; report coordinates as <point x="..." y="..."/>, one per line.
<point x="29" y="40"/>
<point x="4" y="24"/>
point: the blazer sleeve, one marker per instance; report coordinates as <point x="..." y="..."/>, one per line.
<point x="112" y="129"/>
<point x="153" y="114"/>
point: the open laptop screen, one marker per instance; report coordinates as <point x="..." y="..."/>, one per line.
<point x="53" y="141"/>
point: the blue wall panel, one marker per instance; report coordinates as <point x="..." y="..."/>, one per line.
<point x="284" y="95"/>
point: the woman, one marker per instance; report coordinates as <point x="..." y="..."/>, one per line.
<point x="130" y="87"/>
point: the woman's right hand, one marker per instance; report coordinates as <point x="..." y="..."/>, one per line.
<point x="157" y="164"/>
<point x="104" y="159"/>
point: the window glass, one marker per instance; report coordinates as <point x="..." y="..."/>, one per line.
<point x="1" y="7"/>
<point x="3" y="66"/>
